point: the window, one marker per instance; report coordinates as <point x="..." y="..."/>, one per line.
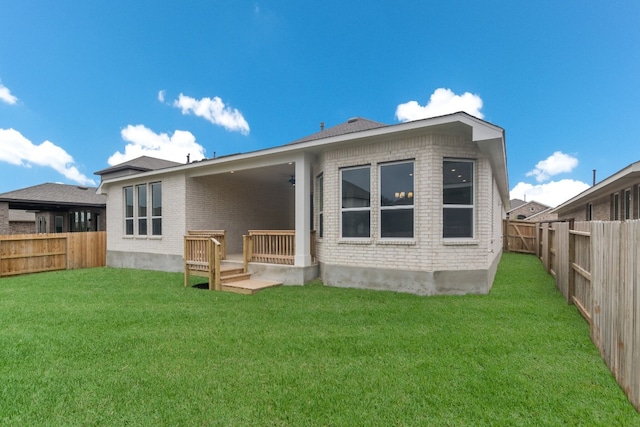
<point x="615" y="208"/>
<point x="589" y="211"/>
<point x="128" y="211"/>
<point x="42" y="224"/>
<point x="59" y="221"/>
<point x="457" y="196"/>
<point x="356" y="202"/>
<point x="396" y="200"/>
<point x="627" y="204"/>
<point x="320" y="183"/>
<point x="142" y="209"/>
<point x="156" y="209"/>
<point x="142" y="214"/>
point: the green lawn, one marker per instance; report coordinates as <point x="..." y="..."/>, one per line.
<point x="127" y="347"/>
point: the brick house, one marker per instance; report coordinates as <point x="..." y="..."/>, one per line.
<point x="532" y="210"/>
<point x="413" y="207"/>
<point x="52" y="208"/>
<point x="616" y="198"/>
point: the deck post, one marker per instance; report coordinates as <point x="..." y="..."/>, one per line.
<point x="303" y="211"/>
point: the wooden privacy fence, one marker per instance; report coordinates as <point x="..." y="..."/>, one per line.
<point x="519" y="236"/>
<point x="34" y="253"/>
<point x="596" y="265"/>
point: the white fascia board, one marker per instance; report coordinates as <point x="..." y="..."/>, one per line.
<point x="580" y="198"/>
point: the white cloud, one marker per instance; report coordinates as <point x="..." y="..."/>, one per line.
<point x="17" y="150"/>
<point x="442" y="101"/>
<point x="215" y="111"/>
<point x="142" y="141"/>
<point x="555" y="164"/>
<point x="552" y="193"/>
<point x="5" y="95"/>
<point x="161" y="95"/>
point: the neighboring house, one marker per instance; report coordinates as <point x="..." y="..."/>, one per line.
<point x="52" y="208"/>
<point x="615" y="198"/>
<point x="413" y="207"/>
<point x="521" y="210"/>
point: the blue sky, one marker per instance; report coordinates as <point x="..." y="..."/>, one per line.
<point x="84" y="85"/>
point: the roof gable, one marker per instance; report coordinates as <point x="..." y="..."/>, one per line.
<point x="139" y="164"/>
<point x="356" y="124"/>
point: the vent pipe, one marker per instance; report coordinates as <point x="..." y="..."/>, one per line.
<point x="594" y="177"/>
<point x="188" y="158"/>
<point x="321" y="126"/>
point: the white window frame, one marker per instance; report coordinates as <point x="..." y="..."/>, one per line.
<point x="400" y="207"/>
<point x="133" y="210"/>
<point x="356" y="209"/>
<point x="473" y="199"/>
<point x="150" y="204"/>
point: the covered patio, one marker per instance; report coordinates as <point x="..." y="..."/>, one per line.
<point x="260" y="216"/>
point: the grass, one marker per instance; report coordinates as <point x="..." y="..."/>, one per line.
<point x="127" y="347"/>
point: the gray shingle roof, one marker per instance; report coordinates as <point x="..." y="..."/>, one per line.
<point x="56" y="194"/>
<point x="356" y="124"/>
<point x="141" y="164"/>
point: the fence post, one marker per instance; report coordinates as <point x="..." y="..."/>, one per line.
<point x="571" y="291"/>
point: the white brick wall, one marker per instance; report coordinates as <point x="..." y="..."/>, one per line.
<point x="235" y="204"/>
<point x="428" y="250"/>
<point x="173" y="219"/>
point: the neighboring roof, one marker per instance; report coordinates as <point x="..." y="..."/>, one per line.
<point x="54" y="196"/>
<point x="519" y="205"/>
<point x="355" y="124"/>
<point x="515" y="203"/>
<point x="626" y="177"/>
<point x="140" y="164"/>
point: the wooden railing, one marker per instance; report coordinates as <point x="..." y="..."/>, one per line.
<point x="219" y="235"/>
<point x="272" y="247"/>
<point x="202" y="256"/>
<point x="33" y="253"/>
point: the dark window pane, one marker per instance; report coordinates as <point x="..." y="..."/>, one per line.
<point x="142" y="227"/>
<point x="397" y="223"/>
<point x="457" y="222"/>
<point x="320" y="193"/>
<point x="356" y="188"/>
<point x="156" y="199"/>
<point x="128" y="202"/>
<point x="128" y="227"/>
<point x="356" y="224"/>
<point x="142" y="200"/>
<point x="321" y="224"/>
<point x="156" y="224"/>
<point x="396" y="184"/>
<point x="457" y="178"/>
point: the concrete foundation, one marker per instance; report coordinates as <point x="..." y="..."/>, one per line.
<point x="287" y="274"/>
<point x="450" y="282"/>
<point x="145" y="261"/>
